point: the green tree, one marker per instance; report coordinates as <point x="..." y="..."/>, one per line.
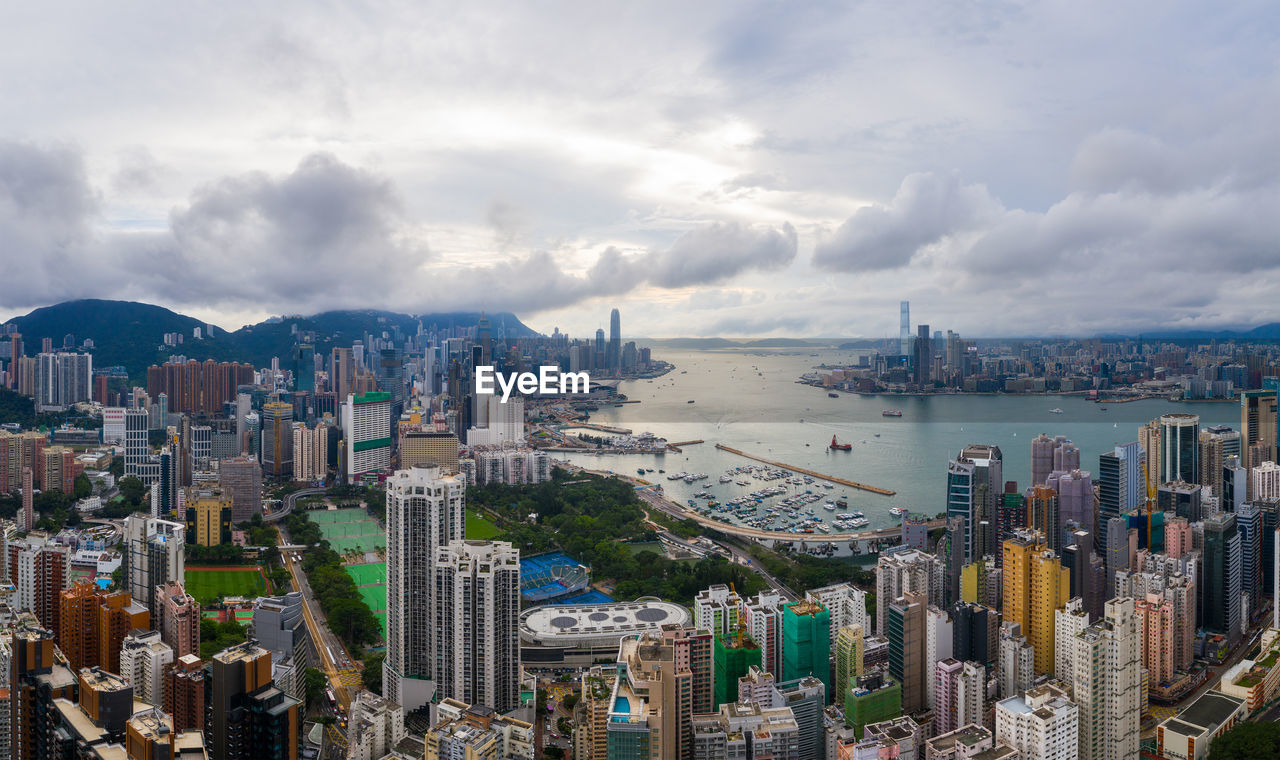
<point x="371" y="672"/>
<point x="83" y="486"/>
<point x="131" y="489"/>
<point x="1247" y="741"/>
<point x="314" y="682"/>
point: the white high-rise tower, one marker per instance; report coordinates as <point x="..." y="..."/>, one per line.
<point x="425" y="511"/>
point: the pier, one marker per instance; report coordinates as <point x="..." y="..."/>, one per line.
<point x="810" y="473"/>
<point x="601" y="428"/>
<point x="676" y="446"/>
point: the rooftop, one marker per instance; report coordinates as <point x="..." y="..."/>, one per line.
<point x="1211" y="710"/>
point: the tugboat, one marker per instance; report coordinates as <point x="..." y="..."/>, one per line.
<point x="837" y="446"/>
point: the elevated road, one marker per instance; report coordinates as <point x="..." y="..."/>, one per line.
<point x="290" y="500"/>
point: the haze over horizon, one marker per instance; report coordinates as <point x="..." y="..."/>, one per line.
<point x="717" y="170"/>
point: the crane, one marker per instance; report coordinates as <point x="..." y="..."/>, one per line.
<point x="1151" y="500"/>
<point x="741" y="632"/>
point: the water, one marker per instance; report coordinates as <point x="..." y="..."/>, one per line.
<point x="751" y="402"/>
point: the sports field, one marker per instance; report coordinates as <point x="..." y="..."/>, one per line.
<point x="371" y="582"/>
<point x="349" y="530"/>
<point x="480" y="528"/>
<point x="210" y="584"/>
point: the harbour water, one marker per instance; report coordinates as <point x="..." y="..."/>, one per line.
<point x="752" y="402"/>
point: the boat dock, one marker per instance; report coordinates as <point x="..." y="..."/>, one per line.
<point x="601" y="428"/>
<point x="810" y="473"/>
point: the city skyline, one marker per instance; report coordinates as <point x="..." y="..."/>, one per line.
<point x="709" y="171"/>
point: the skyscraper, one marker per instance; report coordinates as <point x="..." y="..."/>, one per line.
<point x="37" y="677"/>
<point x="1258" y="422"/>
<point x="1120" y="486"/>
<point x="923" y="359"/>
<point x="960" y="688"/>
<point x="904" y="329"/>
<point x="277" y="439"/>
<point x="806" y="642"/>
<point x="425" y="511"/>
<point x="615" y="342"/>
<point x="154" y="553"/>
<point x="476" y="607"/>
<point x="1036" y="585"/>
<point x="366" y="430"/>
<point x="907" y="666"/>
<point x="1107" y="683"/>
<point x="1222" y="571"/>
<point x="848" y="660"/>
<point x="249" y="717"/>
<point x="901" y="572"/>
<point x="1180" y="444"/>
<point x="974" y="486"/>
<point x="177" y="617"/>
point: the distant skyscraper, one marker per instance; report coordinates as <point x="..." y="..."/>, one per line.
<point x="154" y="553"/>
<point x="923" y="361"/>
<point x="425" y="511"/>
<point x="1120" y="486"/>
<point x="1222" y="575"/>
<point x="366" y="430"/>
<point x="974" y="486"/>
<point x="1180" y="444"/>
<point x="277" y="439"/>
<point x="615" y="342"/>
<point x="904" y="329"/>
<point x="304" y="368"/>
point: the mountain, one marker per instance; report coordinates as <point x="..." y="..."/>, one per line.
<point x="131" y="334"/>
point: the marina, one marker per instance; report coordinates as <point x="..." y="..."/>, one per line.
<point x="810" y="473"/>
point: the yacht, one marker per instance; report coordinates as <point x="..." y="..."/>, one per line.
<point x="1055" y="411"/>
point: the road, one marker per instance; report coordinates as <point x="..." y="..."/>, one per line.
<point x="290" y="500"/>
<point x="332" y="654"/>
<point x="739" y="556"/>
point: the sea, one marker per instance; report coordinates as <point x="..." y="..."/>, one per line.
<point x="750" y="400"/>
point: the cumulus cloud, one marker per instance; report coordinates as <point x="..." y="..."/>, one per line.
<point x="716" y="252"/>
<point x="926" y="209"/>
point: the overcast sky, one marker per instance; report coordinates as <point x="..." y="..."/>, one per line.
<point x="733" y="169"/>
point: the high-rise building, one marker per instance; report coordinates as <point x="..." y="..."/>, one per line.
<point x="959" y="689"/>
<point x="715" y="609"/>
<point x="1049" y="455"/>
<point x="615" y="342"/>
<point x="476" y="607"/>
<point x="241" y="480"/>
<point x="846" y="603"/>
<point x="591" y="714"/>
<point x="39" y="569"/>
<point x="905" y="629"/>
<point x="208" y="516"/>
<point x="975" y="630"/>
<point x="177" y="618"/>
<point x="746" y="731"/>
<point x="184" y="692"/>
<point x="248" y="717"/>
<point x="1035" y="586"/>
<point x="137" y="449"/>
<point x="366" y="430"/>
<point x="38" y="675"/>
<point x="144" y="657"/>
<point x="1221" y="582"/>
<point x="1180" y="448"/>
<point x="806" y="642"/>
<point x="875" y="697"/>
<point x="429" y="448"/>
<point x="975" y="485"/>
<point x="905" y="571"/>
<point x="310" y="452"/>
<point x="153" y="553"/>
<point x="62" y="380"/>
<point x="1017" y="658"/>
<point x="848" y="659"/>
<point x="939" y="641"/>
<point x="94" y="623"/>
<point x="1258" y="422"/>
<point x="922" y="361"/>
<point x="194" y="387"/>
<point x="1120" y="486"/>
<point x="1043" y="724"/>
<point x="376" y="727"/>
<point x="1107" y="684"/>
<point x="653" y="702"/>
<point x="904" y="329"/>
<point x="732" y="656"/>
<point x="277" y="439"/>
<point x="1067" y="622"/>
<point x="764" y="625"/>
<point x="425" y="512"/>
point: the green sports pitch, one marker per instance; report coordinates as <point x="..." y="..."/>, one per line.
<point x="209" y="586"/>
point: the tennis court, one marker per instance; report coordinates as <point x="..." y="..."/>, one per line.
<point x="349" y="530"/>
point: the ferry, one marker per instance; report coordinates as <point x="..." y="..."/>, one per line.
<point x="891" y="413"/>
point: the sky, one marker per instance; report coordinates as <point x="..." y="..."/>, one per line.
<point x="710" y="168"/>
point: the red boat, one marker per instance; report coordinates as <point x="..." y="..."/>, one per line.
<point x="837" y="446"/>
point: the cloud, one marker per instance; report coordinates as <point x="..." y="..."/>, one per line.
<point x="926" y="209"/>
<point x="46" y="212"/>
<point x="716" y="252"/>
